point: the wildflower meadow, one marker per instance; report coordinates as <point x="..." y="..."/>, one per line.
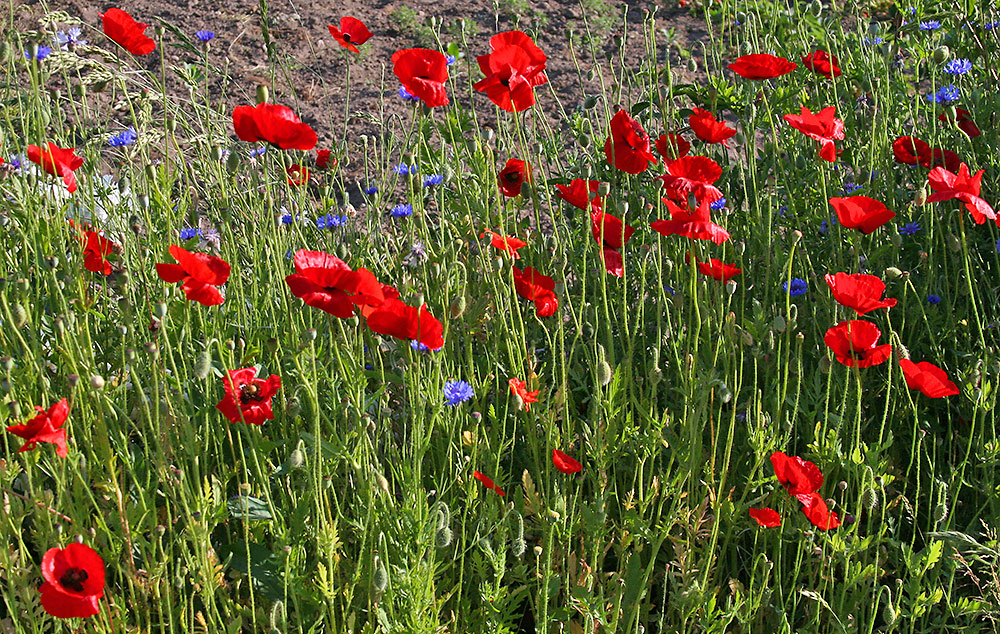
<point x="578" y="317"/>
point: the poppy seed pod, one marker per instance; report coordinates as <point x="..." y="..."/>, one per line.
<point x="778" y="324"/>
<point x="97" y="382"/>
<point x="869" y="499"/>
<point x="604" y="372"/>
<point x="20" y="316"/>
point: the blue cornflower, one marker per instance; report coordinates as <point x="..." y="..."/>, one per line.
<point x="992" y="25"/>
<point x="419" y="347"/>
<point x="257" y="151"/>
<point x="670" y="289"/>
<point x="945" y="95"/>
<point x="717" y="205"/>
<point x="328" y="221"/>
<point x="873" y="41"/>
<point x="123" y="138"/>
<point x="456" y="392"/>
<point x="958" y="67"/>
<point x="16" y="162"/>
<point x="403" y="169"/>
<point x="930" y="25"/>
<point x="933" y="299"/>
<point x="998" y="246"/>
<point x="401" y="211"/>
<point x="909" y="229"/>
<point x="850" y="187"/>
<point x="205" y="36"/>
<point x="450" y="59"/>
<point x="191" y="232"/>
<point x="798" y="287"/>
<point x="43" y="52"/>
<point x="782" y="210"/>
<point x="405" y="94"/>
<point x="826" y="224"/>
<point x="288" y="219"/>
<point x="65" y="39"/>
<point x="433" y="179"/>
<point x="371" y="190"/>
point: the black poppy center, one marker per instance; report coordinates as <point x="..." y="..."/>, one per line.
<point x="512" y="177"/>
<point x="73" y="579"/>
<point x="347" y="37"/>
<point x="251" y="392"/>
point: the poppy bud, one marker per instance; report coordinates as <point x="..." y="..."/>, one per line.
<point x="778" y="324"/>
<point x="889" y="614"/>
<point x="380" y="577"/>
<point x="60" y="326"/>
<point x="442" y="537"/>
<point x="152" y="350"/>
<point x="824" y="365"/>
<point x="203" y="365"/>
<point x="892" y="273"/>
<point x="941" y="54"/>
<point x="816" y="8"/>
<point x="4" y="50"/>
<point x="954" y="244"/>
<point x="489" y="134"/>
<point x="604" y="372"/>
<point x="869" y="499"/>
<point x="590" y="102"/>
<point x="746" y="337"/>
<point x="458" y="306"/>
<point x="233" y="162"/>
<point x="7" y="364"/>
<point x="525" y="189"/>
<point x="263" y="94"/>
<point x="97" y="382"/>
<point x="297" y="458"/>
<point x="20" y="316"/>
<point x="692" y="64"/>
<point x="731" y="287"/>
<point x="800" y="162"/>
<point x="217" y="153"/>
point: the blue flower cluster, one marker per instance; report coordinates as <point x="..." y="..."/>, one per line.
<point x="797" y="287"/>
<point x="456" y="392"/>
<point x="123" y="138"/>
<point x="945" y="95"/>
<point x="328" y="221"/>
<point x="958" y="67"/>
<point x="401" y="211"/>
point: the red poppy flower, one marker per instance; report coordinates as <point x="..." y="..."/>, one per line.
<point x="816" y="510"/>
<point x="275" y="124"/>
<point x="297" y="174"/>
<point x="538" y="288"/>
<point x="513" y="68"/>
<point x="121" y="28"/>
<point x="95" y="251"/>
<point x="396" y="319"/>
<point x="718" y="270"/>
<point x="766" y="517"/>
<point x="672" y="146"/>
<point x="520" y="389"/>
<point x="352" y="32"/>
<point x="248" y="397"/>
<point x="798" y="476"/>
<point x="609" y="230"/>
<point x="861" y="212"/>
<point x="579" y="192"/>
<point x="822" y="126"/>
<point x="199" y="272"/>
<point x="326" y="282"/>
<point x="692" y="175"/>
<point x="935" y="157"/>
<point x="506" y="244"/>
<point x="512" y="176"/>
<point x="861" y="292"/>
<point x="707" y="128"/>
<point x="853" y="343"/>
<point x="909" y="149"/>
<point x="822" y="63"/>
<point x="565" y="463"/>
<point x="74" y="581"/>
<point x="488" y="483"/>
<point x="627" y="147"/>
<point x="57" y="161"/>
<point x="963" y="187"/>
<point x="762" y="66"/>
<point x="696" y="224"/>
<point x="324" y="160"/>
<point x="46" y="426"/>
<point x="613" y="261"/>
<point x="423" y="73"/>
<point x="928" y="378"/>
<point x="963" y="121"/>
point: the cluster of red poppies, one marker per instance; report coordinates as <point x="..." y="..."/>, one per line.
<point x="802" y="480"/>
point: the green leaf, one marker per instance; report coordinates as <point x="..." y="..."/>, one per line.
<point x="245" y="507"/>
<point x="262" y="568"/>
